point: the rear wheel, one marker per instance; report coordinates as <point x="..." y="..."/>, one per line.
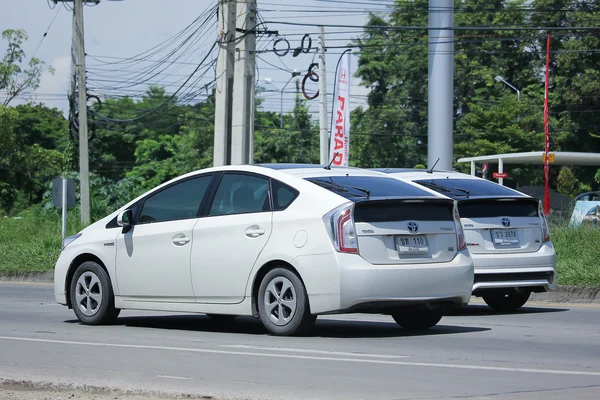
<point x="283" y="303"/>
<point x="506" y="302"/>
<point x="418" y="319"/>
<point x="92" y="296"/>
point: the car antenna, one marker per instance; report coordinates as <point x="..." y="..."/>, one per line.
<point x="430" y="171"/>
<point x="331" y="162"/>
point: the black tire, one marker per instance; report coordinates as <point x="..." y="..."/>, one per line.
<point x="289" y="323"/>
<point x="221" y="317"/>
<point x="104" y="312"/>
<point x="417" y="319"/>
<point x="506" y="302"/>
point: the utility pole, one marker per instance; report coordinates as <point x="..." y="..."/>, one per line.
<point x="323" y="123"/>
<point x="441" y="84"/>
<point x="224" y="82"/>
<point x="84" y="172"/>
<point x="242" y="128"/>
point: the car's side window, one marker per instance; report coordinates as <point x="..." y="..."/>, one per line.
<point x="283" y="195"/>
<point x="241" y="194"/>
<point x="180" y="201"/>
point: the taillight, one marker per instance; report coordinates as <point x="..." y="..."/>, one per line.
<point x="543" y="223"/>
<point x="460" y="233"/>
<point x="340" y="226"/>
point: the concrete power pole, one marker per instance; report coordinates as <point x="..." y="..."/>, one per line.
<point x="441" y="84"/>
<point x="84" y="172"/>
<point x="323" y="123"/>
<point x="224" y="82"/>
<point x="242" y="128"/>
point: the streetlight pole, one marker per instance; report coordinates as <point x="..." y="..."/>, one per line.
<point x="498" y="78"/>
<point x="501" y="79"/>
<point x="294" y="74"/>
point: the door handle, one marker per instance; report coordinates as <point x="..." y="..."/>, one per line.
<point x="180" y="239"/>
<point x="254" y="231"/>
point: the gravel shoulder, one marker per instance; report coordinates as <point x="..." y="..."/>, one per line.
<point x="14" y="390"/>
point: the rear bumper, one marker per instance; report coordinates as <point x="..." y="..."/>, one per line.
<point x="536" y="271"/>
<point x="365" y="287"/>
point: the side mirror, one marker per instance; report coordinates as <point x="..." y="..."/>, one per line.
<point x="125" y="219"/>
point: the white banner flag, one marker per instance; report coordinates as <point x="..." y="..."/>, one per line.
<point x="340" y="122"/>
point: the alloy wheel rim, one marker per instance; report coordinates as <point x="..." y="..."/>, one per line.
<point x="280" y="300"/>
<point x="88" y="293"/>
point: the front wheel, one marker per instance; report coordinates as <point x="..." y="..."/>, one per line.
<point x="506" y="302"/>
<point x="283" y="303"/>
<point x="92" y="296"/>
<point x="418" y="319"/>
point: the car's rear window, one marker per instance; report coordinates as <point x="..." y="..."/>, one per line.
<point x="356" y="186"/>
<point x="461" y="188"/>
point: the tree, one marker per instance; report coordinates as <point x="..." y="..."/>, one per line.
<point x="29" y="157"/>
<point x="14" y="77"/>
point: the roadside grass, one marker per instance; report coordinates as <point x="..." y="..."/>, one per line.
<point x="31" y="241"/>
<point x="32" y="244"/>
<point x="577" y="253"/>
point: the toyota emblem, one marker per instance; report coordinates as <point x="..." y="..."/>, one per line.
<point x="506" y="222"/>
<point x="413" y="227"/>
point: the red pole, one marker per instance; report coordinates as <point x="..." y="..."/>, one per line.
<point x="547" y="135"/>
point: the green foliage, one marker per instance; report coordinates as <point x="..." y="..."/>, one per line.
<point x="14" y="77"/>
<point x="567" y="183"/>
<point x="577" y="254"/>
<point x="392" y="130"/>
<point x="29" y="158"/>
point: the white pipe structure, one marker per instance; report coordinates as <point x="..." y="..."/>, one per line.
<point x="440" y="113"/>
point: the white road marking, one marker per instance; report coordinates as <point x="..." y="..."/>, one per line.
<point x="175" y="377"/>
<point x="302" y="357"/>
<point x="310" y="351"/>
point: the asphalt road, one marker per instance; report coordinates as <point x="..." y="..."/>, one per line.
<point x="544" y="351"/>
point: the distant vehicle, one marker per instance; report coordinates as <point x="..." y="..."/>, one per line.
<point x="592" y="217"/>
<point x="587" y="196"/>
<point x="283" y="243"/>
<point x="506" y="232"/>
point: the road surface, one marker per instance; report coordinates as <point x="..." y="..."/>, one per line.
<point x="543" y="351"/>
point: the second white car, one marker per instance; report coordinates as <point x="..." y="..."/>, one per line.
<point x="506" y="232"/>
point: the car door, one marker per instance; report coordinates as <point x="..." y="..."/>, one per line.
<point x="153" y="258"/>
<point x="228" y="239"/>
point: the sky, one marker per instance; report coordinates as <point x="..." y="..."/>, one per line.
<point x="125" y="28"/>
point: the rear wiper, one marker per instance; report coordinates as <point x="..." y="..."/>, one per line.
<point x="433" y="185"/>
<point x="365" y="191"/>
<point x="329" y="185"/>
<point x="334" y="186"/>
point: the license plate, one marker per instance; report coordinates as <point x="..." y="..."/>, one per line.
<point x="412" y="245"/>
<point x="505" y="237"/>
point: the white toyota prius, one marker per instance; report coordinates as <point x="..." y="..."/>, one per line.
<point x="506" y="232"/>
<point x="280" y="242"/>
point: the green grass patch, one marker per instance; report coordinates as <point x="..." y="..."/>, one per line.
<point x="578" y="254"/>
<point x="31" y="241"/>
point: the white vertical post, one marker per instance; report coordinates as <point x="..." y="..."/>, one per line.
<point x="224" y="82"/>
<point x="243" y="86"/>
<point x="473" y="168"/>
<point x="500" y="170"/>
<point x="323" y="122"/>
<point x="441" y="84"/>
<point x="82" y="119"/>
<point x="64" y="207"/>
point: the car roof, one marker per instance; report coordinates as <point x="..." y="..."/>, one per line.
<point x="317" y="170"/>
<point x="419" y="173"/>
